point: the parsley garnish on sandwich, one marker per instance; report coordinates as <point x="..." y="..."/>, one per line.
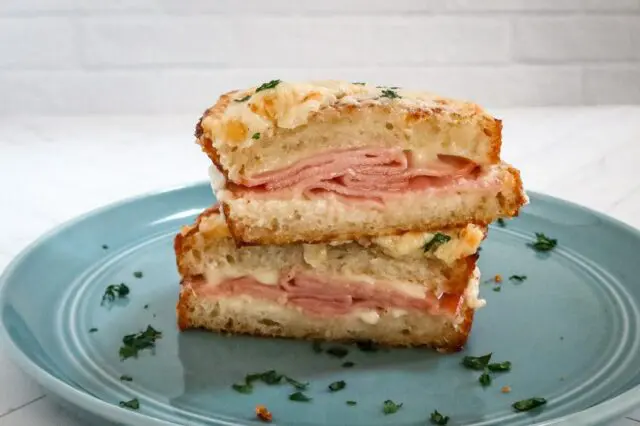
<point x="388" y="93"/>
<point x="437" y="240"/>
<point x="243" y="99"/>
<point x="269" y="85"/>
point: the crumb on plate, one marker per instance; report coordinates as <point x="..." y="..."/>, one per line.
<point x="263" y="414"/>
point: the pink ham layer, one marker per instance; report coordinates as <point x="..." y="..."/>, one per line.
<point x="371" y="174"/>
<point x="326" y="297"/>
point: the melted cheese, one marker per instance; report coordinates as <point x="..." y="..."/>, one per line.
<point x="289" y="105"/>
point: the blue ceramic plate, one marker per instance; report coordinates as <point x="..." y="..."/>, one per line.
<point x="571" y="330"/>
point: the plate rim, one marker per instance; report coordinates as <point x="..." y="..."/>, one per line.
<point x="596" y="414"/>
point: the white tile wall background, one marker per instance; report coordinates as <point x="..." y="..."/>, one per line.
<point x="174" y="56"/>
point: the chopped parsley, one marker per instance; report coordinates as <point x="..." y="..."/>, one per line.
<point x="132" y="344"/>
<point x="93" y="330"/>
<point x="337" y="386"/>
<point x="501" y="223"/>
<point x="390" y="407"/>
<point x="388" y="93"/>
<point x="105" y="247"/>
<point x="500" y="366"/>
<point x="338" y="351"/>
<point x="348" y="364"/>
<point x="529" y="404"/>
<point x="437" y="240"/>
<point x="271" y="377"/>
<point x="317" y="346"/>
<point x="476" y="362"/>
<point x="114" y="290"/>
<point x="126" y="378"/>
<point x="256" y="136"/>
<point x="146" y="306"/>
<point x="498" y="288"/>
<point x="485" y="379"/>
<point x="352" y="403"/>
<point x="133" y="404"/>
<point x="518" y="278"/>
<point x="296" y="384"/>
<point x="367" y="346"/>
<point x="359" y="83"/>
<point x="438" y="418"/>
<point x="269" y="85"/>
<point x="137" y="274"/>
<point x="244" y="99"/>
<point x="299" y="397"/>
<point x="543" y="243"/>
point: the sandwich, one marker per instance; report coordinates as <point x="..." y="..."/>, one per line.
<point x="411" y="289"/>
<point x="335" y="161"/>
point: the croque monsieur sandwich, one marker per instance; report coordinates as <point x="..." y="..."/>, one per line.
<point x="346" y="211"/>
<point x="412" y="289"/>
<point x="328" y="161"/>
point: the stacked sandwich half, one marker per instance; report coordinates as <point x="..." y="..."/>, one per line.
<point x="347" y="212"/>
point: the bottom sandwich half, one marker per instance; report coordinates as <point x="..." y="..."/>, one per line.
<point x="376" y="290"/>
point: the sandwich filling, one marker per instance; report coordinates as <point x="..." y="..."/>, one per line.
<point x="325" y="296"/>
<point x="371" y="174"/>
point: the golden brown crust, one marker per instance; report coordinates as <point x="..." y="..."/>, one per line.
<point x="452" y="339"/>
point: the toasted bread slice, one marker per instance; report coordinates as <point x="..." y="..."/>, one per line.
<point x="388" y="289"/>
<point x="271" y="127"/>
<point x="256" y="219"/>
<point x="442" y="261"/>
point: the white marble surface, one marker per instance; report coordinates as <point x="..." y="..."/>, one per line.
<point x="52" y="169"/>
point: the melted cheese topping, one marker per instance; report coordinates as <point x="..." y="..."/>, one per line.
<point x="289" y="105"/>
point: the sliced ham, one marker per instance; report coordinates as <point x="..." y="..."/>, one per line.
<point x="365" y="173"/>
<point x="326" y="296"/>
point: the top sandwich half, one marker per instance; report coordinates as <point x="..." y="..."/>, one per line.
<point x="327" y="161"/>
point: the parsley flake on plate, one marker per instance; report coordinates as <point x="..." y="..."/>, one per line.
<point x="336" y="386"/>
<point x="93" y="330"/>
<point x="497" y="289"/>
<point x="132" y="404"/>
<point x="126" y="378"/>
<point x="501" y="223"/>
<point x="477" y="362"/>
<point x="132" y="344"/>
<point x="114" y="291"/>
<point x="437" y="240"/>
<point x="390" y="407"/>
<point x="438" y="418"/>
<point x="299" y="397"/>
<point x="485" y="379"/>
<point x="352" y="403"/>
<point x="529" y="404"/>
<point x="137" y="274"/>
<point x="543" y="243"/>
<point x="517" y="278"/>
<point x="270" y="85"/>
<point x="500" y="366"/>
<point x="348" y="364"/>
